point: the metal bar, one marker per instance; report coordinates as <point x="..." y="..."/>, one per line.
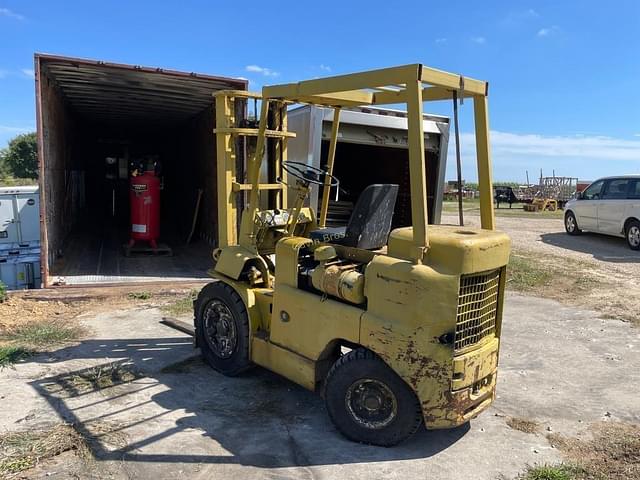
<point x="415" y="132"/>
<point x="330" y="161"/>
<point x="179" y="325"/>
<point x="44" y="193"/>
<point x="226" y="174"/>
<point x="254" y="168"/>
<point x="253" y="132"/>
<point x="483" y="155"/>
<point x="344" y="83"/>
<point x="284" y="154"/>
<point x="241" y="187"/>
<point x="440" y="78"/>
<point x="429" y="94"/>
<point x="352" y="98"/>
<point x="458" y="160"/>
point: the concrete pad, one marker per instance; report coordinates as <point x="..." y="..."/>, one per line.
<point x="560" y="366"/>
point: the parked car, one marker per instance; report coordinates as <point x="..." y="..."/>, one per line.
<point x="609" y="205"/>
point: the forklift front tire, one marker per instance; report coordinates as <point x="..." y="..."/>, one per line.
<point x="368" y="402"/>
<point x="222" y="328"/>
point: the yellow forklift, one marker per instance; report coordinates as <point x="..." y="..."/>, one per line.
<point x="395" y="328"/>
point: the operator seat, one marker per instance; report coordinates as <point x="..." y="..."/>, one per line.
<point x="370" y="222"/>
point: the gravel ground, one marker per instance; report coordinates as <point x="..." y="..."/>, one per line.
<point x="605" y="259"/>
<point x="191" y="422"/>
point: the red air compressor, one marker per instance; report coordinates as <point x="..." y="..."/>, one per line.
<point x="144" y="199"/>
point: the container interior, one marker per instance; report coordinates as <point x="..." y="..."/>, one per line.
<point x="357" y="166"/>
<point x="97" y="118"/>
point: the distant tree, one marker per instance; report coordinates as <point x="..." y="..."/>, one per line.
<point x="20" y="158"/>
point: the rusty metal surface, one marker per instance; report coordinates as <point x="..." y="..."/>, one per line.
<point x="126" y="93"/>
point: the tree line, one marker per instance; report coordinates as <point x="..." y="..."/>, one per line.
<point x="19" y="160"/>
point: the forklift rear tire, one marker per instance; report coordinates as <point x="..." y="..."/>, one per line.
<point x="368" y="402"/>
<point x="222" y="328"/>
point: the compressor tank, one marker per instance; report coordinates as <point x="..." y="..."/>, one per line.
<point x="144" y="200"/>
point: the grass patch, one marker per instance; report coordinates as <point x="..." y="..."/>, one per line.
<point x="525" y="273"/>
<point x="552" y="472"/>
<point x="613" y="453"/>
<point x="10" y="354"/>
<point x="139" y="295"/>
<point x="183" y="305"/>
<point x="44" y="333"/>
<point x="21" y="451"/>
<point x="549" y="275"/>
<point x="472" y="206"/>
<point x="523" y="424"/>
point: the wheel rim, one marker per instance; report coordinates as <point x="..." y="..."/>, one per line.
<point x="220" y="329"/>
<point x="371" y="403"/>
<point x="634" y="236"/>
<point x="571" y="223"/>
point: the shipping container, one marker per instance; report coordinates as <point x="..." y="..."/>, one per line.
<point x="372" y="148"/>
<point x="19" y="272"/>
<point x="19" y="218"/>
<point x="93" y="119"/>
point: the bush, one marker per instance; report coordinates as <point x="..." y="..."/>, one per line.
<point x="20" y="158"/>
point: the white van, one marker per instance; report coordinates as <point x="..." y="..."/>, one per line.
<point x="610" y="205"/>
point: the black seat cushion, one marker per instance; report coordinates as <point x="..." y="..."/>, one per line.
<point x="370" y="222"/>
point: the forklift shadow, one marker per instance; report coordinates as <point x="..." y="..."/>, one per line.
<point x="170" y="401"/>
<point x="602" y="247"/>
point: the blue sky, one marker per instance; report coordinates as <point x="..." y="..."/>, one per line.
<point x="563" y="75"/>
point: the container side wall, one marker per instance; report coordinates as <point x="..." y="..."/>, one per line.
<point x="55" y="127"/>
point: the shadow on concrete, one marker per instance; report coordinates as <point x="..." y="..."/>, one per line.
<point x="602" y="247"/>
<point x="259" y="418"/>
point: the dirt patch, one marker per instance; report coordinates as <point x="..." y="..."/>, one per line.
<point x="16" y="311"/>
<point x="21" y="451"/>
<point x="613" y="452"/>
<point x="523" y="424"/>
<point x="571" y="282"/>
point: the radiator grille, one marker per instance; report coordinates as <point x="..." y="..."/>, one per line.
<point x="477" y="308"/>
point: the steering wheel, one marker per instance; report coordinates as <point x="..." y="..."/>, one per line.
<point x="308" y="174"/>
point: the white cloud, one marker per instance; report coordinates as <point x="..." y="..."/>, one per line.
<point x="545" y="32"/>
<point x="441" y="40"/>
<point x="518" y="17"/>
<point x="267" y="72"/>
<point x="324" y="68"/>
<point x="578" y="146"/>
<point x="28" y="72"/>
<point x="5" y="12"/>
<point x="584" y="156"/>
<point x="479" y="40"/>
